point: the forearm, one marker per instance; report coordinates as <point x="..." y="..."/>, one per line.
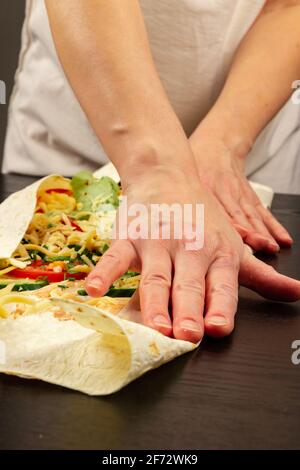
<point x="104" y="50"/>
<point x="259" y="81"/>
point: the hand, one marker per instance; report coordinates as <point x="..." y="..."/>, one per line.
<point x="202" y="284"/>
<point x="222" y="172"/>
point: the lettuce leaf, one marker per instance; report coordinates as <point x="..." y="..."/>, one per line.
<point x="93" y="193"/>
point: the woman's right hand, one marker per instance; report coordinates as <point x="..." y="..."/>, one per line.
<point x="200" y="284"/>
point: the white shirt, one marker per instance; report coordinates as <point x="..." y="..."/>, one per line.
<point x="192" y="42"/>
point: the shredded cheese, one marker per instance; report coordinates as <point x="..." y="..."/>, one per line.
<point x="6" y="270"/>
<point x="17" y="263"/>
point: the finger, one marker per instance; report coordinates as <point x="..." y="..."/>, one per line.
<point x="188" y="293"/>
<point x="279" y="233"/>
<point x="258" y="225"/>
<point x="264" y="280"/>
<point x="253" y="239"/>
<point x="256" y="235"/>
<point x="221" y="295"/>
<point x="115" y="262"/>
<point x="276" y="229"/>
<point x="243" y="232"/>
<point x="155" y="287"/>
<point x="235" y="212"/>
<point x="258" y="242"/>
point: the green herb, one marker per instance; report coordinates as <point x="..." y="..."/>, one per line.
<point x="87" y="189"/>
<point x="97" y="253"/>
<point x="70" y="266"/>
<point x="83" y="261"/>
<point x="33" y="255"/>
<point x="71" y="279"/>
<point x="87" y="253"/>
<point x="62" y="286"/>
<point x="75" y="247"/>
<point x="82" y="292"/>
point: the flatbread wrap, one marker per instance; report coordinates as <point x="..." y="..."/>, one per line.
<point x="50" y="329"/>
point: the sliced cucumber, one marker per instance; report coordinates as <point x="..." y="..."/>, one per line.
<point x="82" y="292"/>
<point x="51" y="259"/>
<point x="112" y="292"/>
<point x="125" y="292"/>
<point x="21" y="285"/>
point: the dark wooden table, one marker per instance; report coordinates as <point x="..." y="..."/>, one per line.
<point x="240" y="392"/>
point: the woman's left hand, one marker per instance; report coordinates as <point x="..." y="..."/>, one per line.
<point x="222" y="172"/>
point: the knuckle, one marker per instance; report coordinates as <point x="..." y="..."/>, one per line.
<point x="213" y="242"/>
<point x="111" y="262"/>
<point x="267" y="216"/>
<point x="254" y="217"/>
<point x="248" y="210"/>
<point x="155" y="277"/>
<point x="190" y="285"/>
<point x="237" y="213"/>
<point x="194" y="257"/>
<point x="112" y="257"/>
<point x="228" y="260"/>
<point x="225" y="289"/>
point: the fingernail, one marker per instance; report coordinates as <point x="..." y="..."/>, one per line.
<point x="161" y="321"/>
<point x="95" y="283"/>
<point x="190" y="325"/>
<point x="217" y="320"/>
<point x="274" y="246"/>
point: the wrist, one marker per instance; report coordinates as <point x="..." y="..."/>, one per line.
<point x="150" y="158"/>
<point x="226" y="132"/>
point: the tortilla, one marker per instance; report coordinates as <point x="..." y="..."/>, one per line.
<point x="17" y="211"/>
<point x="94" y="351"/>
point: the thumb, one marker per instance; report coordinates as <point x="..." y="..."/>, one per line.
<point x="266" y="281"/>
